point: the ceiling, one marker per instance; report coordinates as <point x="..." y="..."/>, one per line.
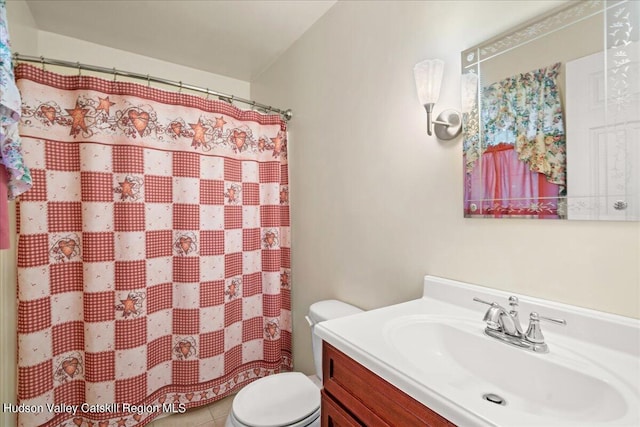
<point x="233" y="38"/>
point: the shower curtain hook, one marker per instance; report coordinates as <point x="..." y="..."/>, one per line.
<point x="180" y="89"/>
<point x="253" y="105"/>
<point x="114" y="74"/>
<point x="42" y="62"/>
<point x="79" y="72"/>
<point x="208" y="93"/>
<point x="148" y="81"/>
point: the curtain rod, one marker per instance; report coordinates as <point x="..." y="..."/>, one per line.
<point x="286" y="114"/>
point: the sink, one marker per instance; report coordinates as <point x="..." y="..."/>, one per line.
<point x="456" y="354"/>
<point x="435" y="350"/>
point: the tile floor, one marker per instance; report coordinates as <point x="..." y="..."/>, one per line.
<point x="213" y="415"/>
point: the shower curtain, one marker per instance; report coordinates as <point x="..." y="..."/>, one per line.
<point x="153" y="251"/>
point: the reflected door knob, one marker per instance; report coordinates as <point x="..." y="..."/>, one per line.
<point x="620" y="205"/>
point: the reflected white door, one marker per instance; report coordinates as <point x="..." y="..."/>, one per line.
<point x="603" y="139"/>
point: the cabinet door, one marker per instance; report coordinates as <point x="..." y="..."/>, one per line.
<point x="372" y="401"/>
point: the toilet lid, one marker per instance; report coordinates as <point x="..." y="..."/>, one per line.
<point x="276" y="400"/>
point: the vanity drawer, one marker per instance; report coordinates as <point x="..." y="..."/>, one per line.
<point x="370" y="400"/>
<point x="334" y="416"/>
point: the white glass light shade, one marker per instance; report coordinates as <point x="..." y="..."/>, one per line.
<point x="428" y="75"/>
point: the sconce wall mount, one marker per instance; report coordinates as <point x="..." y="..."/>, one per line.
<point x="446" y="126"/>
<point x="428" y="75"/>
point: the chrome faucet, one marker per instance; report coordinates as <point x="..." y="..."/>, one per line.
<point x="505" y="326"/>
<point x="498" y="319"/>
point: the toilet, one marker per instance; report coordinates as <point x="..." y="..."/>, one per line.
<point x="288" y="399"/>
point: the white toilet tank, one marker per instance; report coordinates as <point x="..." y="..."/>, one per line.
<point x="325" y="310"/>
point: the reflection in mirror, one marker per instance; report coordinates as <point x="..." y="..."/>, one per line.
<point x="551" y="117"/>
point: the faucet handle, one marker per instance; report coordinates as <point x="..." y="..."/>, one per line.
<point x="513" y="302"/>
<point x="476" y="299"/>
<point x="492" y="314"/>
<point x="551" y="319"/>
<point x="534" y="332"/>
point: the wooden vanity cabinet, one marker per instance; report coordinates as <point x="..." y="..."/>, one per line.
<point x="353" y="396"/>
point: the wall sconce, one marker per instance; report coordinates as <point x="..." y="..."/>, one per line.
<point x="428" y="75"/>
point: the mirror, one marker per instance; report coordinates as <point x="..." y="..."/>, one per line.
<point x="551" y="117"/>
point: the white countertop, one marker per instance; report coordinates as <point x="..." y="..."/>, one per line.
<point x="594" y="347"/>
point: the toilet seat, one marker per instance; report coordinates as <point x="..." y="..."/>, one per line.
<point x="287" y="399"/>
<point x="311" y="421"/>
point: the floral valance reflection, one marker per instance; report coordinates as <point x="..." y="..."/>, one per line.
<point x="519" y="141"/>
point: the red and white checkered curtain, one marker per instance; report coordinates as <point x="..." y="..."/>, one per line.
<point x="153" y="252"/>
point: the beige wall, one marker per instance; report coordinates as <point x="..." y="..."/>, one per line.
<point x="28" y="40"/>
<point x="57" y="46"/>
<point x="22" y="28"/>
<point x="377" y="204"/>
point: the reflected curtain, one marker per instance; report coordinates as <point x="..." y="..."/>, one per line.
<point x="509" y="186"/>
<point x="515" y="161"/>
<point x="153" y="251"/>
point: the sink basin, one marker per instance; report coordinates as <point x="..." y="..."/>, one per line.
<point x="466" y="364"/>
